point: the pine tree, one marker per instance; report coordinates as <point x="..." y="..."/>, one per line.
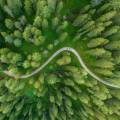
<point x="28" y="6"/>
<point x="97" y="42"/>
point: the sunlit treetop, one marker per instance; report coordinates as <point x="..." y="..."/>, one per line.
<point x="33" y="30"/>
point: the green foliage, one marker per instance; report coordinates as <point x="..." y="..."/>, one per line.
<point x="31" y="31"/>
<point x="17" y="42"/>
<point x="97" y="42"/>
<point x="115" y="4"/>
<point x="2" y="3"/>
<point x="96" y="2"/>
<point x="9" y="39"/>
<point x="97" y="32"/>
<point x="9" y="24"/>
<point x="15" y="6"/>
<point x="33" y="35"/>
<point x="28" y="6"/>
